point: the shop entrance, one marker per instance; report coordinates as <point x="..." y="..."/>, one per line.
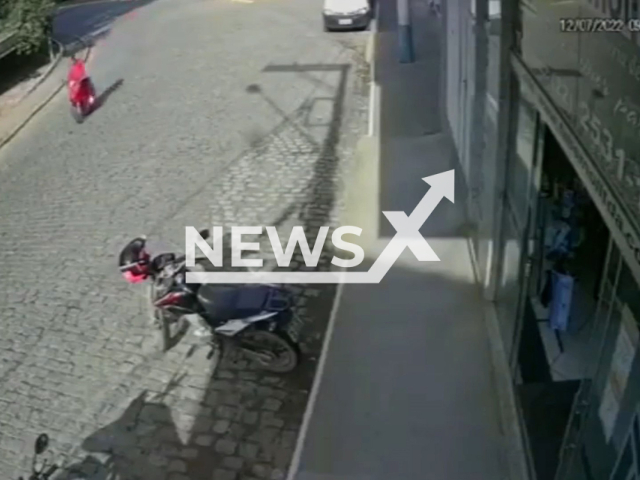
<point x="568" y="241"/>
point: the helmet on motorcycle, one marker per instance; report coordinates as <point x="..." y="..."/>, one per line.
<point x="134" y="261"/>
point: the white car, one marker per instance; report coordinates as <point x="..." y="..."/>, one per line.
<point x="346" y="14"/>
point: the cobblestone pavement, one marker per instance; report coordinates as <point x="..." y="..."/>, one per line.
<point x="225" y="113"/>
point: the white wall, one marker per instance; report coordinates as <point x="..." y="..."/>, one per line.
<point x="452" y="23"/>
<point x="477" y="158"/>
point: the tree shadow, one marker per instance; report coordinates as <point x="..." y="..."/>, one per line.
<point x="16" y="69"/>
<point x="313" y="211"/>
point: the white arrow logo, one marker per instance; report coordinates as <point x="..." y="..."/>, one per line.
<point x="407" y="236"/>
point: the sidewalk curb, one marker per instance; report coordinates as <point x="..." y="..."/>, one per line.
<point x="81" y="3"/>
<point x="371" y="41"/>
<point x="362" y="193"/>
<point x="10" y="136"/>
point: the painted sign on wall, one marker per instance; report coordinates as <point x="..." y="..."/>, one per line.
<point x="594" y="79"/>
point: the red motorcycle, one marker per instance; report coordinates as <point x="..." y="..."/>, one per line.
<point x="82" y="97"/>
<point x="81" y="92"/>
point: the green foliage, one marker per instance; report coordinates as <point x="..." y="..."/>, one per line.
<point x="30" y="18"/>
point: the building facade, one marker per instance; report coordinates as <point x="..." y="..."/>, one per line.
<point x="543" y="104"/>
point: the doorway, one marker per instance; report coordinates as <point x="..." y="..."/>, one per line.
<point x="568" y="242"/>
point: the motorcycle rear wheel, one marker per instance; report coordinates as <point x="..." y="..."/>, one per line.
<point x="285" y="361"/>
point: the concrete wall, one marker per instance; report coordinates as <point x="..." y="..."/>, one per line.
<point x="472" y="125"/>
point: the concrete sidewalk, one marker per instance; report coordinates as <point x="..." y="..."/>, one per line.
<point x="407" y="390"/>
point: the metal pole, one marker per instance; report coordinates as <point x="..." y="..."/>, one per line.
<point x="404" y="31"/>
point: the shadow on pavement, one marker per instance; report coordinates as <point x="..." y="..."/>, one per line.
<point x="15" y="69"/>
<point x="129" y="445"/>
<point x="102" y="98"/>
<point x="315" y="209"/>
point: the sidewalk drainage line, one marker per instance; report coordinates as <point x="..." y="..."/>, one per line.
<point x="311" y="402"/>
<point x="44" y="103"/>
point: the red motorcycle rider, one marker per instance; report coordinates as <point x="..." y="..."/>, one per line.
<point x="79" y="83"/>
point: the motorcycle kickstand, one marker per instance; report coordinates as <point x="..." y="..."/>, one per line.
<point x="215" y="344"/>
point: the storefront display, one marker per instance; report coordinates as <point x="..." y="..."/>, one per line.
<point x="573" y="300"/>
<point x="561" y="297"/>
<point x="563" y="207"/>
<point x="559" y="305"/>
<point x="563" y="248"/>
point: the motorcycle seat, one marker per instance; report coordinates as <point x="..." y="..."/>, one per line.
<point x="223" y="303"/>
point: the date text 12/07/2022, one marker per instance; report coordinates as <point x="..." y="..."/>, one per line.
<point x="593" y="25"/>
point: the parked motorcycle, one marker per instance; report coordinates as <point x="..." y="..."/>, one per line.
<point x="82" y="97"/>
<point x="41" y="445"/>
<point x="252" y="318"/>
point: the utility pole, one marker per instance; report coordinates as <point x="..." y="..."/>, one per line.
<point x="404" y="31"/>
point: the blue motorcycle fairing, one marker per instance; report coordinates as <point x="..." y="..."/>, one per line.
<point x="223" y="302"/>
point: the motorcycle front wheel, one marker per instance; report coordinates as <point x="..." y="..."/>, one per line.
<point x="271" y="351"/>
<point x="77" y="113"/>
<point x="170" y="327"/>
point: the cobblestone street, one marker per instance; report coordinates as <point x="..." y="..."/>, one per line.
<point x="226" y="113"/>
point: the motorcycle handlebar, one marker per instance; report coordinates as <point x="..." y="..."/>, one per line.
<point x="182" y="260"/>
